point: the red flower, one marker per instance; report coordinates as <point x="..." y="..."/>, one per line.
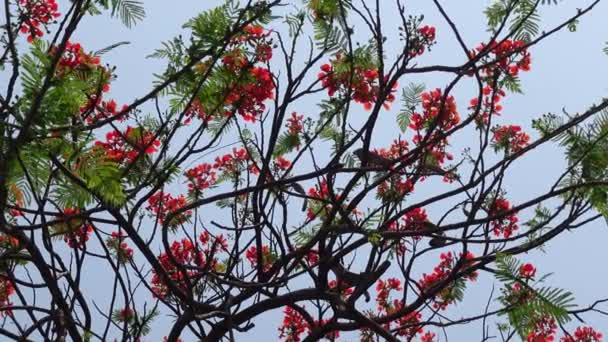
<point x="544" y="331"/>
<point x="293" y="325"/>
<point x="421" y="40"/>
<point x="95" y="110"/>
<point x="510" y="138"/>
<point x="282" y="163"/>
<point x="294" y="128"/>
<point x="127" y="146"/>
<point x="191" y="253"/>
<point x="429" y="281"/>
<point x="384" y="289"/>
<point x="120" y="248"/>
<point x="37" y="13"/>
<point x="527" y="271"/>
<point x="583" y="334"/>
<point x="363" y="84"/>
<point x="267" y="257"/>
<point x="232" y="163"/>
<point x="200" y="177"/>
<point x="162" y="205"/>
<point x="506" y="225"/>
<point x="428" y="337"/>
<point x="7" y="288"/>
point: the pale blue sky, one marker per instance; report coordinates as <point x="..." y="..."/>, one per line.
<point x="568" y="71"/>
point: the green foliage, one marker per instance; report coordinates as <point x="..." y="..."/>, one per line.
<point x="410" y="98"/>
<point x="585" y="151"/>
<point x="538" y="302"/>
<point x="295" y="22"/>
<point x="324" y="9"/>
<point x="606" y="49"/>
<point x="329" y="37"/>
<point x="99" y="175"/>
<point x="33" y="66"/>
<point x="129" y="11"/>
<point x="61" y="103"/>
<point x="511" y="83"/>
<point x="110" y="48"/>
<point x="211" y="27"/>
<point x="524" y="21"/>
<point x="537" y="223"/>
<point x="286" y="143"/>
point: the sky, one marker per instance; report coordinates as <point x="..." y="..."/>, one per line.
<point x="568" y="73"/>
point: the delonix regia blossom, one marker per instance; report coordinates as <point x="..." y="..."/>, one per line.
<point x="221" y="195"/>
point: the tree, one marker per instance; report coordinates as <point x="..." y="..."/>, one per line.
<point x="221" y="194"/>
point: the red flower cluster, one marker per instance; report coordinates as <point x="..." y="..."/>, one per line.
<point x="74" y="230"/>
<point x="162" y="205"/>
<point x="363" y="84"/>
<point x="490" y="105"/>
<point x="421" y="40"/>
<point x="412" y="221"/>
<point x="7" y="288"/>
<point x="506" y="225"/>
<point x="100" y="110"/>
<point x="186" y="252"/>
<point x="544" y="331"/>
<point x="126" y="147"/>
<point x="510" y="138"/>
<point x="294" y="124"/>
<point x="509" y="56"/>
<point x="583" y="334"/>
<point x="116" y="243"/>
<point x="9" y="242"/>
<point x="384" y="289"/>
<point x="17" y="195"/>
<point x="344" y="288"/>
<point x="230" y="162"/>
<point x="527" y="271"/>
<point x="126" y="314"/>
<point x="252" y="35"/>
<point x="434" y="114"/>
<point x="267" y="257"/>
<point x="196" y="111"/>
<point x="397" y="185"/>
<point x="320" y="192"/>
<point x="74" y="57"/>
<point x="255" y="84"/>
<point x="437" y="117"/>
<point x="408" y="324"/>
<point x="428" y="337"/>
<point x="200" y="177"/>
<point x="249" y="98"/>
<point x="282" y="163"/>
<point x="517" y="294"/>
<point x="293" y="325"/>
<point x="446" y="296"/>
<point x="37" y="13"/>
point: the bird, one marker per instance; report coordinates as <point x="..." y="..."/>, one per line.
<point x="439" y="239"/>
<point x="372" y="159"/>
<point x="432" y="170"/>
<point x="300" y="190"/>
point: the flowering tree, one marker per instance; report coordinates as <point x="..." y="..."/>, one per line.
<point x="308" y="211"/>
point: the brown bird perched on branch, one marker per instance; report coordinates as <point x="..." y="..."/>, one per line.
<point x="372" y="159"/>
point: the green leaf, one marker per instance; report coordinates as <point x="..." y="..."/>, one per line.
<point x="129" y="11"/>
<point x="541" y="303"/>
<point x="411" y="99"/>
